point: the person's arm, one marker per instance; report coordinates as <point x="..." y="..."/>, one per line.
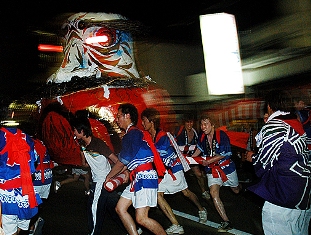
<point x="85" y="165"/>
<point x="83" y="160"/>
<point x="224" y="150"/>
<point x="116" y="169"/>
<point x="124" y="170"/>
<point x="210" y="160"/>
<point x="196" y="153"/>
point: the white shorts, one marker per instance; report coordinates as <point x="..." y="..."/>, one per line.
<point x="43" y="190"/>
<point x="142" y="198"/>
<point x="285" y="221"/>
<point x="170" y="186"/>
<point x="78" y="171"/>
<point x="232" y="181"/>
<point x="10" y="223"/>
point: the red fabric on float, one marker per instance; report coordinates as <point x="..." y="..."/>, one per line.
<point x="238" y="139"/>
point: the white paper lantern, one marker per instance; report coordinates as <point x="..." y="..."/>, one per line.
<point x="221" y="54"/>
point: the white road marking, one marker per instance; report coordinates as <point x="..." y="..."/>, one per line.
<point x="208" y="223"/>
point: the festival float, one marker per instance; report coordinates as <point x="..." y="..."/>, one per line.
<point x="97" y="74"/>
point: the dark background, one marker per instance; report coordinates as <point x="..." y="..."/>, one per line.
<point x="172" y="21"/>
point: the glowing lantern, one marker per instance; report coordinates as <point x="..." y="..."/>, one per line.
<point x="221" y="54"/>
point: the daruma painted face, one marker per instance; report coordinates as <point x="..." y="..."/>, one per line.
<point x="95" y="46"/>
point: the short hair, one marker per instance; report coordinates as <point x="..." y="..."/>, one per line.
<point x="206" y="117"/>
<point x="82" y="113"/>
<point x="152" y="115"/>
<point x="188" y="117"/>
<point x="279" y="100"/>
<point x="128" y="108"/>
<point x="82" y="123"/>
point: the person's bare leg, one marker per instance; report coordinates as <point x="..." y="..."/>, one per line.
<point x="166" y="208"/>
<point x="237" y="189"/>
<point x="17" y="232"/>
<point x="214" y="191"/>
<point x="127" y="220"/>
<point x="200" y="177"/>
<point x="87" y="181"/>
<point x="189" y="194"/>
<point x="143" y="219"/>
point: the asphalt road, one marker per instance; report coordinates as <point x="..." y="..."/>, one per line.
<point x="65" y="212"/>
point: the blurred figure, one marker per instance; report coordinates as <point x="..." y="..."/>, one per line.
<point x="304" y="116"/>
<point x="301" y="110"/>
<point x="19" y="201"/>
<point x="139" y="155"/>
<point x="97" y="155"/>
<point x="174" y="180"/>
<point x="220" y="169"/>
<point x="187" y="138"/>
<point x="77" y="172"/>
<point x="42" y="183"/>
<point x="284" y="169"/>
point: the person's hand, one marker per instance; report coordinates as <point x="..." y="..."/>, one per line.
<point x="127" y="176"/>
<point x="205" y="162"/>
<point x="265" y="117"/>
<point x="85" y="167"/>
<point x="249" y="156"/>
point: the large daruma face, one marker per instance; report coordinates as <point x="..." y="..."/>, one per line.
<point x="94" y="46"/>
<point x="98" y="73"/>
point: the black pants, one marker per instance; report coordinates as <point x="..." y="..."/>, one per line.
<point x="106" y="205"/>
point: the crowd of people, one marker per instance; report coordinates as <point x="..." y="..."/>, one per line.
<point x="153" y="162"/>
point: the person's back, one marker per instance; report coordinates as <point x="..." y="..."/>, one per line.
<point x="286" y="163"/>
<point x="42" y="180"/>
<point x="43" y="174"/>
<point x="18" y="198"/>
<point x="283" y="165"/>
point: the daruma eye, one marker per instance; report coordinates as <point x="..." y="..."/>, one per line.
<point x="105" y="37"/>
<point x="81" y="25"/>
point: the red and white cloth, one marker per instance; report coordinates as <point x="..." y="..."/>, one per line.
<point x="113" y="183"/>
<point x="195" y="160"/>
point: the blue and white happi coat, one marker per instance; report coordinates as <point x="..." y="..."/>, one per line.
<point x="282" y="163"/>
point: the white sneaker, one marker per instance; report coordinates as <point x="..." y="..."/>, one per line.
<point x="57" y="185"/>
<point x="175" y="229"/>
<point x="87" y="192"/>
<point x="139" y="231"/>
<point x="224" y="227"/>
<point x="206" y="195"/>
<point x="203" y="216"/>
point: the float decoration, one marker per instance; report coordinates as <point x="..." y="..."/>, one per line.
<point x="97" y="74"/>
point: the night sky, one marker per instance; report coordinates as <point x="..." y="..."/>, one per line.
<point x="173" y="21"/>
